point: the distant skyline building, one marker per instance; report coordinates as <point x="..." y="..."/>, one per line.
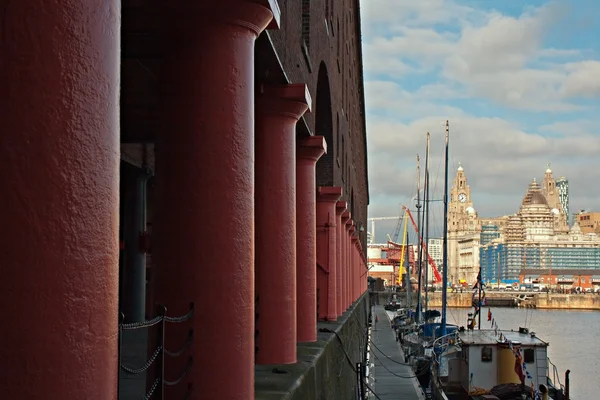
<point x="435" y="247"/>
<point x="562" y="185"/>
<point x="488" y="233"/>
<point x="534" y="240"/>
<point x="537" y="236"/>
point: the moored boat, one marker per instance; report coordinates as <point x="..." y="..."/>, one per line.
<point x="492" y="364"/>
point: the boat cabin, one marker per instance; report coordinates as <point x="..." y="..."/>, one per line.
<point x="482" y="361"/>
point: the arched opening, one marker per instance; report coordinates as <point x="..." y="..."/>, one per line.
<point x="324" y="127"/>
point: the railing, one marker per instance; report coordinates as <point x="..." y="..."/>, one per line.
<point x="555" y="375"/>
<point x="156" y="391"/>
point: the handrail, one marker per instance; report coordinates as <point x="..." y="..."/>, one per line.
<point x="555" y="375"/>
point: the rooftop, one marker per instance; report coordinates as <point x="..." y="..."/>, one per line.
<point x="487" y="336"/>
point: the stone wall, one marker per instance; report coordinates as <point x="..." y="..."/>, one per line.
<point x="568" y="301"/>
<point x="540" y="300"/>
<point x="323" y="370"/>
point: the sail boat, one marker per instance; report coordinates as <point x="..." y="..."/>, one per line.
<point x="417" y="338"/>
<point x="468" y="363"/>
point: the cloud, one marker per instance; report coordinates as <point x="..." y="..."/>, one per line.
<point x="494" y="56"/>
<point x="516" y="100"/>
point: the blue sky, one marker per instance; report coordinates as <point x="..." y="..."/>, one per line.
<point x="518" y="80"/>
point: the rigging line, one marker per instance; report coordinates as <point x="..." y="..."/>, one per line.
<point x="421" y="372"/>
<point x="372" y="391"/>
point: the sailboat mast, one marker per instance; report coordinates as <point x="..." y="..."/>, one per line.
<point x="419" y="247"/>
<point x="426" y="212"/>
<point x="445" y="233"/>
<point x="406" y="262"/>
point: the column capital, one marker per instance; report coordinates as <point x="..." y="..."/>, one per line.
<point x="345" y="217"/>
<point x="312" y="147"/>
<point x="329" y="193"/>
<point x="255" y="15"/>
<point x="340" y="207"/>
<point x="273" y="6"/>
<point x="291" y="100"/>
<point x="349" y="223"/>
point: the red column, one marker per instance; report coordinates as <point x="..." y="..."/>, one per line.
<point x="278" y="109"/>
<point x="204" y="228"/>
<point x="349" y="261"/>
<point x="59" y="158"/>
<point x="363" y="273"/>
<point x="353" y="262"/>
<point x="356" y="272"/>
<point x="339" y="255"/>
<point x="326" y="251"/>
<point x="345" y="260"/>
<point x="308" y="153"/>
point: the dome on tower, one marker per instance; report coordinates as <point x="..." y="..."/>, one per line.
<point x="534" y="195"/>
<point x="555" y="211"/>
<point x="470" y="210"/>
<point x="460" y="167"/>
<point x="538" y="198"/>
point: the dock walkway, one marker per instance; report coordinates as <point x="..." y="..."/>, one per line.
<point x="393" y="379"/>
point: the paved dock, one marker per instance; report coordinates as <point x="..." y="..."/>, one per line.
<point x="393" y="379"/>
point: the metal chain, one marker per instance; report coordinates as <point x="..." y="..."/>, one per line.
<point x="148" y="395"/>
<point x="185" y="372"/>
<point x="142" y="324"/>
<point x="182" y="350"/>
<point x="146" y="366"/>
<point x="183" y="318"/>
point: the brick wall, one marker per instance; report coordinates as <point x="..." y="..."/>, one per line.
<point x="332" y="33"/>
<point x="315" y="34"/>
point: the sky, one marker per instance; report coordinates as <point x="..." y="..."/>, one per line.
<point x="518" y="81"/>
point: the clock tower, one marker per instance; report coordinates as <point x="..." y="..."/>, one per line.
<point x="463" y="231"/>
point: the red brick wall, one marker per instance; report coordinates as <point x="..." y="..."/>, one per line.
<point x="333" y="39"/>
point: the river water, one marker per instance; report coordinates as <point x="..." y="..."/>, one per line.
<point x="573" y="337"/>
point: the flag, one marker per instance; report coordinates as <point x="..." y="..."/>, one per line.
<point x="519" y="365"/>
<point x="478" y="283"/>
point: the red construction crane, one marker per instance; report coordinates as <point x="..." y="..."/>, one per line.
<point x="436" y="274"/>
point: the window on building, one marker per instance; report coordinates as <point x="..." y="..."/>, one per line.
<point x="486" y="354"/>
<point x="338" y="140"/>
<point x="343" y="159"/>
<point x="306" y="23"/>
<point x="528" y="356"/>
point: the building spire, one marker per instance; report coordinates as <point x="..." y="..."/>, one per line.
<point x="548" y="170"/>
<point x="460" y="167"/>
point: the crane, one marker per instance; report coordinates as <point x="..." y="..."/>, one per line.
<point x="373" y="225"/>
<point x="436" y="273"/>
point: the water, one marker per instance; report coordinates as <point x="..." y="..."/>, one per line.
<point x="572" y="334"/>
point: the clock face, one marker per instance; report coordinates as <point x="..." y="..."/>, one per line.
<point x="462" y="197"/>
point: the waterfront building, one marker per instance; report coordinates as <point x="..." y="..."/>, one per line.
<point x="205" y="156"/>
<point x="551" y="193"/>
<point x="435" y="246"/>
<point x="589" y="222"/>
<point x="464" y="227"/>
<point x="489" y="232"/>
<point x="534" y="239"/>
<point x="562" y="185"/>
